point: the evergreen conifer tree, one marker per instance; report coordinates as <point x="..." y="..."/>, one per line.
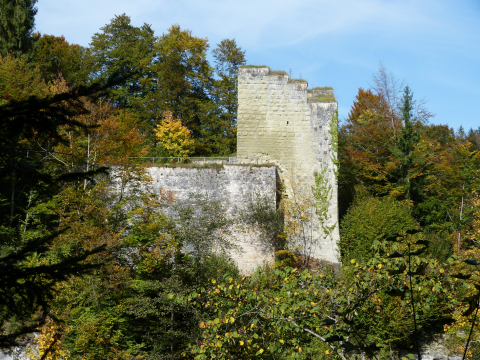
<point x="17" y="22"/>
<point x="406" y="144"/>
<point x="228" y="58"/>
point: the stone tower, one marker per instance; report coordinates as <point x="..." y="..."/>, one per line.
<point x="281" y="122"/>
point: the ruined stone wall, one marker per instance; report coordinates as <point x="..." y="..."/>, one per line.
<point x="280" y="121"/>
<point x="234" y="185"/>
<point x="273" y="119"/>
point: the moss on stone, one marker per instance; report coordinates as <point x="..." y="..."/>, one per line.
<point x="322" y="98"/>
<point x="298" y="81"/>
<point x="320" y="88"/>
<point x="188" y="165"/>
<point x="254" y="165"/>
<point x="204" y="166"/>
<point x="277" y="72"/>
<point x="255" y="66"/>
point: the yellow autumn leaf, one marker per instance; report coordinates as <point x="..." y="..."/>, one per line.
<point x="173" y="136"/>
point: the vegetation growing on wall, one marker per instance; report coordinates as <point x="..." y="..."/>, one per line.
<point x="301" y="81"/>
<point x="277" y="72"/>
<point x="320" y="88"/>
<point x="322" y="98"/>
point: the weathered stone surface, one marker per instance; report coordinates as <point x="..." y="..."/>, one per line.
<point x="316" y="92"/>
<point x="20" y="352"/>
<point x="234" y="185"/>
<point x="277" y="124"/>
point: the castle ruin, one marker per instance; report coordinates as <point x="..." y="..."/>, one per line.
<point x="281" y="122"/>
<point x="286" y="127"/>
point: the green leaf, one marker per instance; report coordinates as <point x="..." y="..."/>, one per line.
<point x="399" y="271"/>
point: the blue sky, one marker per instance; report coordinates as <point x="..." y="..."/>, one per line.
<point x="434" y="46"/>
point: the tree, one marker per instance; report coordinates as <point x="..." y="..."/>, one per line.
<point x="30" y="267"/>
<point x="441" y="133"/>
<point x="367" y="138"/>
<point x="463" y="311"/>
<point x="409" y="161"/>
<point x="121" y="48"/>
<point x="371" y="219"/>
<point x="387" y="160"/>
<point x="19" y="82"/>
<point x="276" y="314"/>
<point x="448" y="205"/>
<point x="460" y="134"/>
<point x="123" y="307"/>
<point x="16" y="27"/>
<point x="386" y="302"/>
<point x="228" y="58"/>
<point x="184" y="76"/>
<point x="173" y="137"/>
<point x="389" y="89"/>
<point x="54" y="56"/>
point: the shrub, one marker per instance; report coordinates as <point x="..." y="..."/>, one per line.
<point x="370" y="219"/>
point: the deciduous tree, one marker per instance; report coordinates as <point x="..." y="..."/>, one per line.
<point x="121" y="48"/>
<point x="173" y="137"/>
<point x="184" y="78"/>
<point x="55" y="56"/>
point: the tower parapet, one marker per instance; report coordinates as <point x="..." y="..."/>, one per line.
<point x="281" y="121"/>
